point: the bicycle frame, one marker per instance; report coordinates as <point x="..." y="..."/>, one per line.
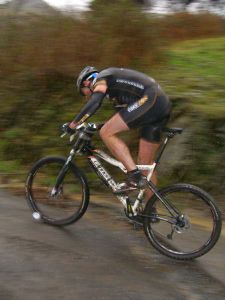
<point x="109" y="181"/>
<point x="93" y="154"/>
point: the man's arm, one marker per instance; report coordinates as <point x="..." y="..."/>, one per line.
<point x="91" y="107"/>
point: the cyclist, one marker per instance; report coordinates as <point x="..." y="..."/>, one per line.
<point x="140" y="102"/>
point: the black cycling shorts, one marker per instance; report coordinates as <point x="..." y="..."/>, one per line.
<point x="150" y="114"/>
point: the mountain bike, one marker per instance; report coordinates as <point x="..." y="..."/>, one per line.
<point x="181" y="221"/>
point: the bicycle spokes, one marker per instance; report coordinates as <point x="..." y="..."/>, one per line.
<point x="57" y="191"/>
<point x="190" y="233"/>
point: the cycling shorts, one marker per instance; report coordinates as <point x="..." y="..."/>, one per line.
<point x="150" y="114"/>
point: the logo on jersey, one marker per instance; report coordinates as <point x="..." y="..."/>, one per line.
<point x="142" y="100"/>
<point x="137" y="104"/>
<point x="136" y="84"/>
<point x="83" y="119"/>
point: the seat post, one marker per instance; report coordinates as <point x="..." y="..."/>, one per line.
<point x="171" y="132"/>
<point x="162" y="149"/>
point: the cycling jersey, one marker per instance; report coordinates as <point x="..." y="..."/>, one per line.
<point x="138" y="97"/>
<point x="124" y="85"/>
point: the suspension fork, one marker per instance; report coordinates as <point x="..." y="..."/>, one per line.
<point x="62" y="173"/>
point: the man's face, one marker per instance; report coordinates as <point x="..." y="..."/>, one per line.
<point x="86" y="89"/>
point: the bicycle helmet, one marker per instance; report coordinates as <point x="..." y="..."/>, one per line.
<point x="84" y="74"/>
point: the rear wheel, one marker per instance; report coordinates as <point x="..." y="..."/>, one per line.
<point x="61" y="206"/>
<point x="190" y="232"/>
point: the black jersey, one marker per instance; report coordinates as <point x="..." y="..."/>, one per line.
<point x="125" y="86"/>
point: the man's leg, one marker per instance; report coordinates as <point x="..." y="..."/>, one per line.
<point x="146" y="155"/>
<point x="116" y="146"/>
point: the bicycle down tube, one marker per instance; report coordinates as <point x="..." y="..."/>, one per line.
<point x="109" y="181"/>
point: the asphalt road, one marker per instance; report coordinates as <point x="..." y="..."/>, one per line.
<point x="101" y="257"/>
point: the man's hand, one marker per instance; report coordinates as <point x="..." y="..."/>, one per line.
<point x="66" y="129"/>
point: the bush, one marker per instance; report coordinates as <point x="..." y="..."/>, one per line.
<point x="40" y="55"/>
<point x="126" y="35"/>
<point x="184" y="26"/>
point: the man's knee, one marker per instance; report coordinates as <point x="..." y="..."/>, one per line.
<point x="105" y="132"/>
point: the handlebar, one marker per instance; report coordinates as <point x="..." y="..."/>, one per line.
<point x="85" y="128"/>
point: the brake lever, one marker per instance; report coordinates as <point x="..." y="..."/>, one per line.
<point x="71" y="136"/>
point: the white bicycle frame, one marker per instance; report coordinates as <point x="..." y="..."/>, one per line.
<point x="114" y="186"/>
<point x="100" y="170"/>
<point x="106" y="177"/>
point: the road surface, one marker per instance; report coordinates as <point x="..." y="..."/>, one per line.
<point x="101" y="257"/>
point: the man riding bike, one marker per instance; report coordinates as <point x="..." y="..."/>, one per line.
<point x="140" y="102"/>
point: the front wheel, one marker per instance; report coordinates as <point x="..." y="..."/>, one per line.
<point x="62" y="205"/>
<point x="190" y="229"/>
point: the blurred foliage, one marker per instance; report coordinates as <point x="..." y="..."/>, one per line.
<point x="41" y="55"/>
<point x="183" y="26"/>
<point x="126" y="37"/>
<point x="194" y="80"/>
